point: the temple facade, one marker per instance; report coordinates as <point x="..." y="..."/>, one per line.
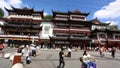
<point x="103" y="36"/>
<point x="21" y="26"/>
<point x="71" y="29"/>
<point x="65" y="29"/>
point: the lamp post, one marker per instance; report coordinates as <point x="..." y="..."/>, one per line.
<point x="106" y="43"/>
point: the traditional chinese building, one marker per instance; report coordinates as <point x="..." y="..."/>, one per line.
<point x="70" y="29"/>
<point x="46" y="32"/>
<point x="21" y="26"/>
<point x="103" y="36"/>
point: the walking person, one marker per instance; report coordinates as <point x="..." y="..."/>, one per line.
<point x="28" y="52"/>
<point x="69" y="53"/>
<point x="33" y="51"/>
<point x="89" y="60"/>
<point x="113" y="52"/>
<point x="61" y="58"/>
<point x="1" y="47"/>
<point x="101" y="50"/>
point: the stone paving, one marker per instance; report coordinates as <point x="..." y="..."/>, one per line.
<point x="6" y="63"/>
<point x="50" y="59"/>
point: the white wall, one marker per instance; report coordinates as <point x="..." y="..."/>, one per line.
<point x="98" y="27"/>
<point x="1" y="23"/>
<point x="1" y="31"/>
<point x="47" y="30"/>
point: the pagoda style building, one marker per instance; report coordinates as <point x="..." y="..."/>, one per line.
<point x="71" y="29"/>
<point x="103" y="36"/>
<point x="65" y="29"/>
<point x="21" y="26"/>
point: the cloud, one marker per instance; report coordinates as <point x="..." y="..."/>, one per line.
<point x="112" y="22"/>
<point x="16" y="3"/>
<point x="45" y="13"/>
<point x="9" y="3"/>
<point x="109" y="11"/>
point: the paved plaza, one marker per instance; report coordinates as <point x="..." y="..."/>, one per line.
<point x="48" y="58"/>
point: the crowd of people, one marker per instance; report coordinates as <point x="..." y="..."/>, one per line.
<point x="28" y="51"/>
<point x="87" y="60"/>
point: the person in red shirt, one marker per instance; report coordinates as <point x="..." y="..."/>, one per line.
<point x="101" y="50"/>
<point x="1" y="47"/>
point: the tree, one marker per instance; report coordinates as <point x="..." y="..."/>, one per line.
<point x="47" y="17"/>
<point x="1" y="13"/>
<point x="113" y="27"/>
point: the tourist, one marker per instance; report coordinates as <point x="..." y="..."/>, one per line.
<point x="33" y="48"/>
<point x="69" y="52"/>
<point x="101" y="50"/>
<point x="61" y="58"/>
<point x="28" y="60"/>
<point x="28" y="53"/>
<point x="89" y="60"/>
<point x="23" y="51"/>
<point x="113" y="50"/>
<point x="19" y="50"/>
<point x="1" y="47"/>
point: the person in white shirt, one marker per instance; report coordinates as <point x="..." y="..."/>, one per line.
<point x="27" y="55"/>
<point x="101" y="50"/>
<point x="33" y="51"/>
<point x="69" y="52"/>
<point x="89" y="60"/>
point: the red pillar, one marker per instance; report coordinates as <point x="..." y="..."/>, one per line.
<point x="99" y="45"/>
<point x="106" y="46"/>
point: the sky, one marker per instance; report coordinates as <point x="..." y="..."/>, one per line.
<point x="105" y="10"/>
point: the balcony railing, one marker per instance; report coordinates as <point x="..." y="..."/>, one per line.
<point x="24" y="16"/>
<point x="18" y="36"/>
